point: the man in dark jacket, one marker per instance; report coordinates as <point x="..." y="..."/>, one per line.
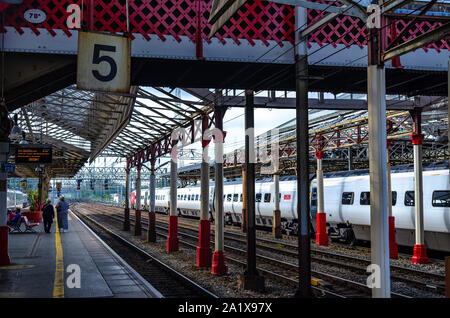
<point x="48" y="214"/>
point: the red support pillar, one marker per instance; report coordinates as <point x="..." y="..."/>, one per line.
<point x="244" y="201"/>
<point x="151" y="231"/>
<point x="4" y="256"/>
<point x="137" y="212"/>
<point x="204" y="247"/>
<point x="172" y="238"/>
<point x="420" y="250"/>
<point x="321" y="234"/>
<point x="4" y="150"/>
<point x="219" y="264"/>
<point x="204" y="234"/>
<point x="393" y="247"/>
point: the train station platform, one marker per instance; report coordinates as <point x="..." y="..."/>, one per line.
<point x="46" y="265"/>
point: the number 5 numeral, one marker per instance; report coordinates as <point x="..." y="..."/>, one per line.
<point x="97" y="59"/>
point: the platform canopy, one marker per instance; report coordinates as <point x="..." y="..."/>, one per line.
<point x="78" y="124"/>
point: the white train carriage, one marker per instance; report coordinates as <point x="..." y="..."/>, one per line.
<point x="347" y="201"/>
<point x="347" y="204"/>
<point x="16" y="199"/>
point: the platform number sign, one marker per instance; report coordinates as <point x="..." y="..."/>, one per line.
<point x="103" y="62"/>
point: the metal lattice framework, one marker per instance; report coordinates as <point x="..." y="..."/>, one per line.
<point x="345" y="136"/>
<point x="157" y="112"/>
<point x="256" y="20"/>
<point x="78" y="124"/>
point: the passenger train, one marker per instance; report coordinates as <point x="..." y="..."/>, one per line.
<point x="16" y="199"/>
<point x="347" y="204"/>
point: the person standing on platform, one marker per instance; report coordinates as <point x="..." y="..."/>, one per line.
<point x="62" y="209"/>
<point x="48" y="214"/>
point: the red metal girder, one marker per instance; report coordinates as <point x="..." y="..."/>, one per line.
<point x="256" y="20"/>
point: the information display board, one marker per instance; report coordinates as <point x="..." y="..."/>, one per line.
<point x="33" y="154"/>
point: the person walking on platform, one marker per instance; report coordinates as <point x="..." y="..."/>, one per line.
<point x="62" y="208"/>
<point x="48" y="214"/>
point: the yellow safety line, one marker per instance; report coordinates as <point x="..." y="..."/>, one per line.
<point x="58" y="285"/>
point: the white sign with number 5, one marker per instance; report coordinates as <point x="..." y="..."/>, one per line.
<point x="103" y="62"/>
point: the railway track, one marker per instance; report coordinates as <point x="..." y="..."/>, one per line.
<point x="169" y="282"/>
<point x="283" y="271"/>
<point x="431" y="282"/>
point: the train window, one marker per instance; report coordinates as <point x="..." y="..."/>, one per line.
<point x="364" y="199"/>
<point x="189" y="197"/>
<point x="224" y="197"/>
<point x="267" y="197"/>
<point x="185" y="197"/>
<point x="240" y="197"/>
<point x="409" y="198"/>
<point x="347" y="198"/>
<point x="441" y="199"/>
<point x="196" y="197"/>
<point x="235" y="197"/>
<point x="258" y="197"/>
<point x="229" y="197"/>
<point x="394" y="197"/>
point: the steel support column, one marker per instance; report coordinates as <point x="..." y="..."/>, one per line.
<point x="250" y="279"/>
<point x="276" y="227"/>
<point x="303" y="208"/>
<point x="379" y="229"/>
<point x="350" y="158"/>
<point x="219" y="264"/>
<point x="151" y="233"/>
<point x="4" y="255"/>
<point x="393" y="247"/>
<point x="126" y="222"/>
<point x="172" y="238"/>
<point x="244" y="200"/>
<point x="40" y="190"/>
<point x="321" y="234"/>
<point x="137" y="214"/>
<point x="420" y="250"/>
<point x="204" y="247"/>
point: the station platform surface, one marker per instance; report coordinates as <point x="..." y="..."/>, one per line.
<point x="45" y="265"/>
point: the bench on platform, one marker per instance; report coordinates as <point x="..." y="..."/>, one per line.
<point x="15" y="227"/>
<point x="29" y="227"/>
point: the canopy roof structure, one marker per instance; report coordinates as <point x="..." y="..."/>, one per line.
<point x="78" y="124"/>
<point x="82" y="125"/>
